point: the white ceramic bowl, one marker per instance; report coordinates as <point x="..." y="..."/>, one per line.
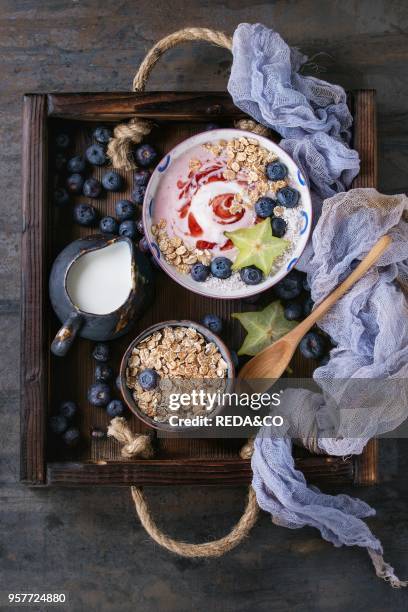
<point x="296" y="180"/>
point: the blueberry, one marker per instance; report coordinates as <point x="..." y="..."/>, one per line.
<point x="102" y="134"/>
<point x="95" y="154"/>
<point x="97" y="433"/>
<point x="140" y="227"/>
<point x="108" y="225"/>
<point x="213" y="323"/>
<point x="293" y="311"/>
<point x="112" y="181"/>
<point x="101" y="352"/>
<point x="62" y="140"/>
<point x="58" y="423"/>
<point x="118" y="383"/>
<point x="71" y="436"/>
<point x="143" y="245"/>
<point x="115" y="408"/>
<point x="199" y="272"/>
<point x="251" y="275"/>
<point x="92" y="188"/>
<point x="84" y="214"/>
<point x="211" y="126"/>
<point x="125" y="209"/>
<point x="221" y="267"/>
<point x="141" y="177"/>
<point x="75" y="183"/>
<point x="60" y="161"/>
<point x="312" y="346"/>
<point x="128" y="228"/>
<point x="76" y="164"/>
<point x="308" y="306"/>
<point x="138" y="194"/>
<point x="61" y="197"/>
<point x="306" y="285"/>
<point x="148" y="379"/>
<point x="99" y="394"/>
<point x="68" y="410"/>
<point x="288" y="197"/>
<point x="278" y="227"/>
<point x="289" y="287"/>
<point x="275" y="171"/>
<point x="264" y="207"/>
<point x="103" y="372"/>
<point x="145" y="155"/>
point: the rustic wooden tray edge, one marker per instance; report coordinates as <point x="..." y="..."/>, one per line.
<point x="34" y="469"/>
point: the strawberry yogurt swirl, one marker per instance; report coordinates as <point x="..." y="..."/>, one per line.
<point x="210" y="205"/>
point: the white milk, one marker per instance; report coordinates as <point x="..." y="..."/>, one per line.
<point x="100" y="281"/>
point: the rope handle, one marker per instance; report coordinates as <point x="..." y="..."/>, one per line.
<point x="217" y="548"/>
<point x="168" y="42"/>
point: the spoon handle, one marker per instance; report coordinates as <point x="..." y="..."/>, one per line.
<point x="369" y="260"/>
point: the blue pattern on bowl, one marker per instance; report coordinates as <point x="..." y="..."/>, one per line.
<point x="292" y="263"/>
<point x="151" y="208"/>
<point x="165" y="164"/>
<point x="300" y="178"/>
<point x="306" y="218"/>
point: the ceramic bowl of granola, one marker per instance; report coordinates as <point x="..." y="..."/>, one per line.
<point x="227" y="213"/>
<point x="169" y="359"/>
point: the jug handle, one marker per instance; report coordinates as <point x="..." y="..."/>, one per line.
<point x="66" y="335"/>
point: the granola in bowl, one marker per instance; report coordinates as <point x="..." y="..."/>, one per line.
<point x="227" y="213"/>
<point x="179" y="356"/>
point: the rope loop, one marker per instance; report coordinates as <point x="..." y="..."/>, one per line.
<point x="135" y="445"/>
<point x="125" y="136"/>
<point x="186" y="34"/>
<point x="217" y="548"/>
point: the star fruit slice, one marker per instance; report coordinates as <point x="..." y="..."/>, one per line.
<point x="263" y="327"/>
<point x="257" y="246"/>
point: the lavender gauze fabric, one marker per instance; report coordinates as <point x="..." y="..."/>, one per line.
<point x="313" y="119"/>
<point x="311" y="115"/>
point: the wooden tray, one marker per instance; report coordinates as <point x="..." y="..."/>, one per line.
<point x="46" y="380"/>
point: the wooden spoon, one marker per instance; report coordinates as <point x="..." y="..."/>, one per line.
<point x="273" y="361"/>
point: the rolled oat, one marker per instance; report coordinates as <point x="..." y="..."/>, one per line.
<point x="181" y="357"/>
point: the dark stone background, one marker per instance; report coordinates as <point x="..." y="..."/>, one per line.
<point x="88" y="543"/>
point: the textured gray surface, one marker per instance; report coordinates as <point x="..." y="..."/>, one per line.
<point x="88" y="543"/>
